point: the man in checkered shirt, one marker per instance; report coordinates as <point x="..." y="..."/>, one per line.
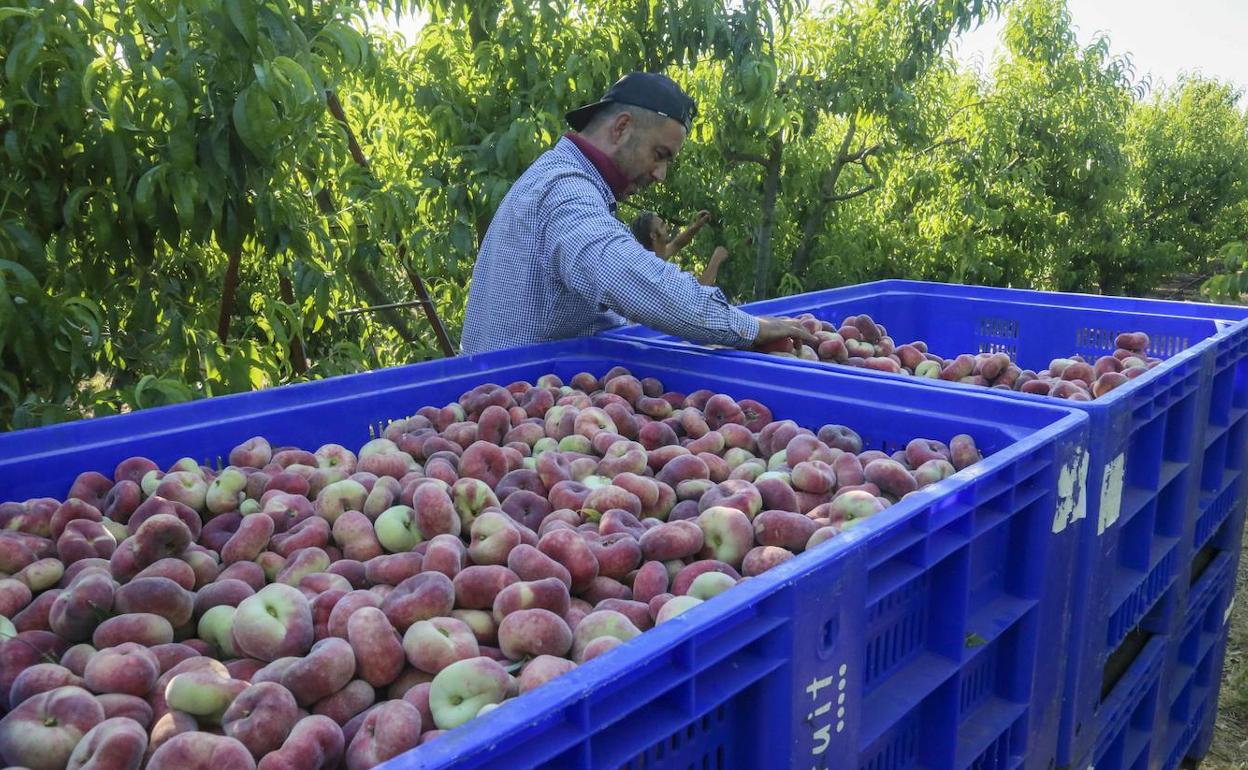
<point x="556" y="263"/>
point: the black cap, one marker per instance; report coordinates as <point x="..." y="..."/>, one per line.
<point x="649" y="90"/>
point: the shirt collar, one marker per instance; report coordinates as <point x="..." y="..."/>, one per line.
<point x="611" y="173"/>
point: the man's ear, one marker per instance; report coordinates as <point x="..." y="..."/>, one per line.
<point x="621" y="125"/>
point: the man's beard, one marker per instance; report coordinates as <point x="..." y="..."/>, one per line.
<point x="623" y="160"/>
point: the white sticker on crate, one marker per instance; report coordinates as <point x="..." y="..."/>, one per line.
<point x="1111" y="493"/>
<point x="1072" y="492"/>
<point x="1229" y="609"/>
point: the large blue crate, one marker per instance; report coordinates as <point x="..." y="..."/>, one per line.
<point x="1166" y="450"/>
<point x="1131" y="712"/>
<point x="924" y="638"/>
<point x="1198" y="646"/>
<point x="1203" y="741"/>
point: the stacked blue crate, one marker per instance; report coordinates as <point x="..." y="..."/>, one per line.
<point x="1166" y="454"/>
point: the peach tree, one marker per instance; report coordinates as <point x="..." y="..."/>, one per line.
<point x="180" y="211"/>
<point x="804" y="116"/>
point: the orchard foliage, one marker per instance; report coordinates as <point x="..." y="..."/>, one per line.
<point x="193" y="191"/>
<point x="179" y="209"/>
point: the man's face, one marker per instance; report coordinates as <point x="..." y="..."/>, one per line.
<point x="658" y="231"/>
<point x="644" y="148"/>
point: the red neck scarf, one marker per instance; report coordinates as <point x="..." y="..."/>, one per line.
<point x="610" y="172"/>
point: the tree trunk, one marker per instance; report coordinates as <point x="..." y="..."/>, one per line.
<point x="377" y="296"/>
<point x="771" y="190"/>
<point x="819" y="209"/>
<point x="297" y="360"/>
<point x="227" y="292"/>
<point x="426" y="303"/>
<point x="364" y="279"/>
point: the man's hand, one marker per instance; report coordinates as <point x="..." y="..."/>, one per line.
<point x="771" y="330"/>
<point x="701" y="218"/>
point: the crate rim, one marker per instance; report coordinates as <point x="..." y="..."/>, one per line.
<point x="154" y="420"/>
<point x="900" y="285"/>
<point x="1102" y="404"/>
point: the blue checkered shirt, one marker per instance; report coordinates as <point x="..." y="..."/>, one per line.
<point x="556" y="263"/>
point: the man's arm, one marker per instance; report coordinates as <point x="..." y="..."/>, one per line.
<point x="595" y="256"/>
<point x="683" y="239"/>
<point x="711" y="273"/>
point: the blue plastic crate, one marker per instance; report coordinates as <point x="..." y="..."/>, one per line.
<point x="1225" y="439"/>
<point x="924" y="638"/>
<point x="1208" y="717"/>
<point x="1194" y="665"/>
<point x="1194" y="669"/>
<point x="1131" y="713"/>
<point x="1166" y="449"/>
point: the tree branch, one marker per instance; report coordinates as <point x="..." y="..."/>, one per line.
<point x="340" y="115"/>
<point x="942" y="143"/>
<point x="967" y="106"/>
<point x="862" y="154"/>
<point x="818" y="211"/>
<point x="363" y="279"/>
<point x="851" y="194"/>
<point x="827" y="184"/>
<point x="431" y="311"/>
<point x="766" y="229"/>
<point x="733" y="156"/>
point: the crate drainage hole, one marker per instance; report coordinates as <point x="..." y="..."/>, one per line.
<point x="827" y="640"/>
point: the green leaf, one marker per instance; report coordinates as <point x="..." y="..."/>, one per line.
<point x="504" y="150"/>
<point x="73" y="203"/>
<point x="141" y="387"/>
<point x="87" y="313"/>
<point x="21" y="58"/>
<point x="350" y="43"/>
<point x="12" y="146"/>
<point x="90" y="77"/>
<point x="256" y="120"/>
<point x="242" y="14"/>
<point x="461" y="238"/>
<point x="145" y="190"/>
<point x="184" y="192"/>
<point x="9" y="387"/>
<point x="25" y="279"/>
<point x="10" y="12"/>
<point x="181" y="148"/>
<point x="171" y="93"/>
<point x="296" y="80"/>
